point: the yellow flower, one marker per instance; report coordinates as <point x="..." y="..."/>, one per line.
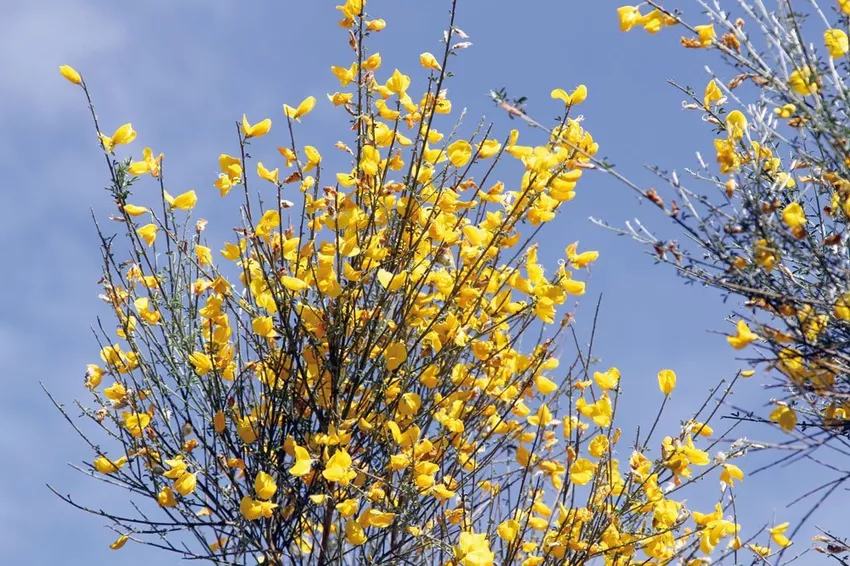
<point x="794" y="216"/>
<point x="785" y="417"/>
<point x="607" y="380"/>
<point x="201" y="362"/>
<point x="474" y="550"/>
<point x="579" y="95"/>
<point x="338" y="467"/>
<point x="303" y="462"/>
<point x="765" y="255"/>
<point x="600" y="412"/>
<point x="264" y="486"/>
<point x="581" y="471"/>
<point x="731" y="473"/>
<point x="263" y="326"/>
<point x="836" y="43"/>
<point x="135" y="422"/>
<point x="666" y="381"/>
<point x="508" y="530"/>
<point x="185" y="201"/>
<point x="302" y="110"/>
<point x="351" y="8"/>
<point x="147" y="233"/>
<point x="123" y="135"/>
<point x="736" y="125"/>
<point x="270" y="176"/>
<point x="251" y="508"/>
<point x="542" y="417"/>
<point x="186" y="483"/>
<point x="743" y="337"/>
<point x="354" y="533"/>
<point x="347" y="508"/>
<point x="653" y="21"/>
<point x="165" y="497"/>
<point x="390" y="281"/>
<point x="428" y="61"/>
<point x="94" y="375"/>
<point x="545" y="385"/>
<point x="841" y="309"/>
<point x="398" y="83"/>
<point x="376" y="25"/>
<point x="372" y="62"/>
<point x="727" y="157"/>
<point x="344" y="75"/>
<point x="292" y="283"/>
<point x="459" y="152"/>
<point x="340" y="98"/>
<point x="203" y="254"/>
<point x="115" y="392"/>
<point x="803" y="82"/>
<point x="395" y="355"/>
<point x="133" y="210"/>
<point x="706" y="34"/>
<point x="106" y="466"/>
<point x="785" y="111"/>
<point x="257" y="130"/>
<point x="148" y="164"/>
<point x="71" y="74"/>
<point x="629" y="17"/>
<point x="313" y="157"/>
<point x="777" y="533"/>
<point x="246" y="430"/>
<point x="119" y="542"/>
<point x="380" y="519"/>
<point x="712" y="94"/>
<point x="489" y="148"/>
<point x="580" y="260"/>
<point x="598" y="446"/>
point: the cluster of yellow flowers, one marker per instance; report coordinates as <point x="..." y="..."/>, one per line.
<point x="782" y="220"/>
<point x="357" y="380"/>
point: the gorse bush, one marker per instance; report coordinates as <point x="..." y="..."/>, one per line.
<point x="379" y="382"/>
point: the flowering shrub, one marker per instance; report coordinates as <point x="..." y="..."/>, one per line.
<point x="771" y="226"/>
<point x="379" y="382"/>
<point x="768" y="214"/>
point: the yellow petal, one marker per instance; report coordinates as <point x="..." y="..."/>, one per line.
<point x="305" y="107"/>
<point x="579" y="95"/>
<point x="561" y="94"/>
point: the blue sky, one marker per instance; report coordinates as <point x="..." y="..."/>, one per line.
<point x="183" y="72"/>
